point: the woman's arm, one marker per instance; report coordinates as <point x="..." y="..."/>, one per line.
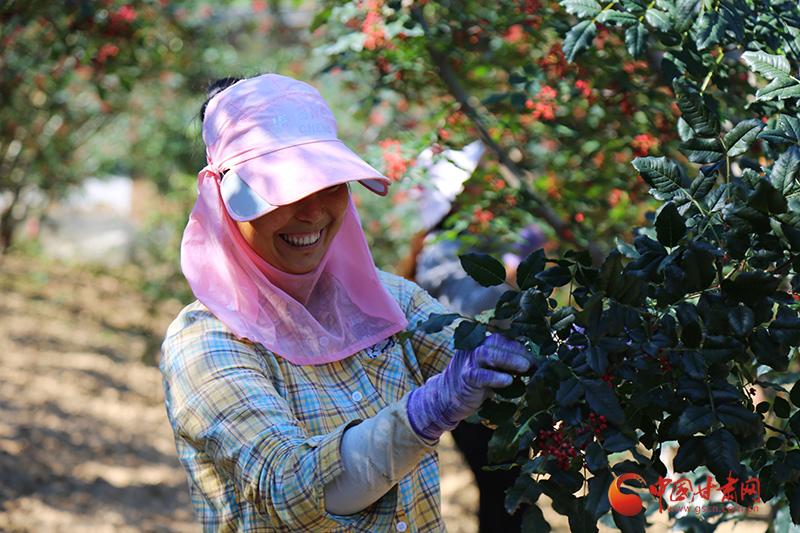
<point x="376" y="454"/>
<point x="221" y="400"/>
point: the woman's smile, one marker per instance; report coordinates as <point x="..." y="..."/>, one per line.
<point x="295" y="237"/>
<point x="303" y="240"/>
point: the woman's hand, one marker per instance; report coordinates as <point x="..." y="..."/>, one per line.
<point x="448" y="398"/>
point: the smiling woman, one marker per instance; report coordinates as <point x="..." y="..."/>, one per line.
<point x="294" y="404"/>
<point x="295" y="237"/>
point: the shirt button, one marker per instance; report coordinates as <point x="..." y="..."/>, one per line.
<point x="323" y="341"/>
<point x="356" y="396"/>
<point x="401" y="526"/>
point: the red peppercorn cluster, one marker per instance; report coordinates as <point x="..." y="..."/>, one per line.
<point x="664" y="364"/>
<point x="558" y="445"/>
<point x="608" y="378"/>
<point x="597" y="424"/>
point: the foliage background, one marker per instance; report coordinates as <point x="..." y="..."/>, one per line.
<point x="97" y="87"/>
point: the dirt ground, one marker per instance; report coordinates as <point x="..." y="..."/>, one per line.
<point x="84" y="440"/>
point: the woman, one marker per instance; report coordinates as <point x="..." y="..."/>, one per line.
<point x="294" y="405"/>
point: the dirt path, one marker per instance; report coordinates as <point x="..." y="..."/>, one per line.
<point x="84" y="440"/>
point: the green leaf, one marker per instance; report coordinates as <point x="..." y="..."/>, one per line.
<point x="523" y="491"/>
<point x="722" y="452"/>
<point x="695" y="110"/>
<point x="533" y="521"/>
<point x="711" y="29"/>
<point x="786" y="326"/>
<point x="569" y="392"/>
<point x="768" y="351"/>
<point x="790" y="126"/>
<point x="436" y="322"/>
<point x="794" y="394"/>
<point x="597" y="358"/>
<point x="556" y="276"/>
<point x="469" y="335"/>
<point x="321" y="17"/>
<point x="768" y="65"/>
<point x="775" y="137"/>
<point x="578" y="39"/>
<point x="580" y="519"/>
<point x="483" y="268"/>
<point x="596" y="458"/>
<point x="702" y="185"/>
<point x="659" y="172"/>
<point x="603" y="401"/>
<point x="767" y="198"/>
<point x="773" y="443"/>
<point x="529" y="267"/>
<point x="617" y="17"/>
<point x="533" y="303"/>
<point x="515" y="390"/>
<point x="694" y="419"/>
<point x="502" y="445"/>
<point x="616" y="441"/>
<point x="794" y="423"/>
<point x="658" y="19"/>
<point x="793" y="495"/>
<point x="497" y="412"/>
<point x="670" y="226"/>
<point x="597" y="503"/>
<point x="738" y="419"/>
<point x="785" y="170"/>
<point x="691" y="454"/>
<point x="738" y="140"/>
<point x="581" y="8"/>
<point x="780" y="88"/>
<point x="636" y="39"/>
<point x="562" y="318"/>
<point x="781" y="407"/>
<point x="685" y="131"/>
<point x="685" y="14"/>
<point x="741" y="319"/>
<point x="703" y="150"/>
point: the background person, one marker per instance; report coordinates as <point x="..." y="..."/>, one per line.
<point x="433" y="263"/>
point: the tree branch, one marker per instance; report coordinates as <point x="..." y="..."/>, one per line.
<point x="513" y="174"/>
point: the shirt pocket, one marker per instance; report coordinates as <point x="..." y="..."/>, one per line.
<point x="386" y="369"/>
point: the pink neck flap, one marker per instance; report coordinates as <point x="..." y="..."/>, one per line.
<point x="326" y="315"/>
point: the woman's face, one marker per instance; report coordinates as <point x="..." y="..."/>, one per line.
<point x="294" y="237"/>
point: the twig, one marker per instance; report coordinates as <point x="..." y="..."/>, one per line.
<point x="514" y="175"/>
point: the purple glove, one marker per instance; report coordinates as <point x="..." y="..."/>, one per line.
<point x="453" y="395"/>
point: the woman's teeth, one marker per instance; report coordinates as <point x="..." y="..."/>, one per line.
<point x="302" y="239"/>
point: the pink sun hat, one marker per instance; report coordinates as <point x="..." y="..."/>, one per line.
<point x="274" y="141"/>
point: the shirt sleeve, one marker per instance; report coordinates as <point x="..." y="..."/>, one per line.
<point x="433" y="350"/>
<point x="376" y="454"/>
<point x="221" y="400"/>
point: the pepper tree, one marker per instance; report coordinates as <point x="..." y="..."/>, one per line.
<point x="672" y="338"/>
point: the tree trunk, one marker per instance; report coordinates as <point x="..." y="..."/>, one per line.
<point x="8" y="223"/>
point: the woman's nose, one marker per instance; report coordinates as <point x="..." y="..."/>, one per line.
<point x="310" y="209"/>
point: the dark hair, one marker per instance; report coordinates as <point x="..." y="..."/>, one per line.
<point x="214" y="88"/>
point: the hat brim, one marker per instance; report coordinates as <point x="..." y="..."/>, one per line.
<point x="263" y="184"/>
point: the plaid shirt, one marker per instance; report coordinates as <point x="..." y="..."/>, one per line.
<point x="259" y="436"/>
